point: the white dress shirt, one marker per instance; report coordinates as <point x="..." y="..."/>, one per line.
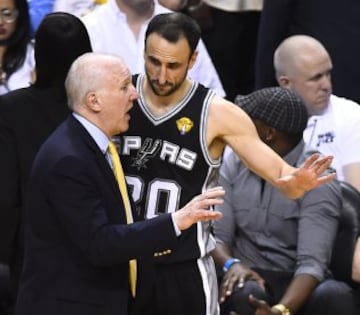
<point x="336" y="132"/>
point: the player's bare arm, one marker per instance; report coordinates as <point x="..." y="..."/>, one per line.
<point x="229" y="124"/>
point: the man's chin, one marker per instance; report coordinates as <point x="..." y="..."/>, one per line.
<point x="124" y="126"/>
<point x="320" y="108"/>
<point x="162" y="92"/>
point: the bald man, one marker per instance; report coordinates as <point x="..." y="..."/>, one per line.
<point x="337" y="29"/>
<point x="303" y="65"/>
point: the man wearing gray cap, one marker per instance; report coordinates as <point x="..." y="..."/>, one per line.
<point x="270" y="247"/>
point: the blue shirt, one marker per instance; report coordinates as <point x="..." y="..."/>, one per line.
<point x="95" y="132"/>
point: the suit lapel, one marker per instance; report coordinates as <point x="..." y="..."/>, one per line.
<point x="95" y="151"/>
<point x="102" y="163"/>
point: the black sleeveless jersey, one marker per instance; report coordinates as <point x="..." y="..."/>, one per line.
<point x="167" y="163"/>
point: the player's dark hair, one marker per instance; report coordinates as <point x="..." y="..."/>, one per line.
<point x="172" y="26"/>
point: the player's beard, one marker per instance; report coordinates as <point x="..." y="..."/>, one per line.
<point x="172" y="87"/>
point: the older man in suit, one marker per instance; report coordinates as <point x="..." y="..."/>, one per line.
<point x="78" y="243"/>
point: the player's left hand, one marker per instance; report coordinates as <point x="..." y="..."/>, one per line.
<point x="308" y="176"/>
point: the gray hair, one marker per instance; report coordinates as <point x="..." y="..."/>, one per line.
<point x="87" y="74"/>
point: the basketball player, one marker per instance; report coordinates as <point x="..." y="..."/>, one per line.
<point x="170" y="153"/>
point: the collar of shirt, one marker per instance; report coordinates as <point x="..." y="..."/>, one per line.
<point x="113" y="8"/>
<point x="96" y="133"/>
<point x="292" y="157"/>
<point x="158" y="9"/>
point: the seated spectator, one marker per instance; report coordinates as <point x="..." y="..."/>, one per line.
<point x="128" y="20"/>
<point x="275" y="249"/>
<point x="303" y="65"/>
<point x="356" y="270"/>
<point x="16" y="50"/>
<point x="27" y="117"/>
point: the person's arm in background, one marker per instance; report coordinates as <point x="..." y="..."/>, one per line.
<point x="350" y="152"/>
<point x="352" y="174"/>
<point x="297" y="294"/>
<point x="275" y="22"/>
<point x="356" y="262"/>
<point x="37" y="10"/>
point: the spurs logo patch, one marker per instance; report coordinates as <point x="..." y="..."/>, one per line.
<point x="146" y="152"/>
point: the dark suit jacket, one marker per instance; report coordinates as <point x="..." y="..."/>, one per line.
<point x="336" y="24"/>
<point x="27" y="117"/>
<point x="77" y="243"/>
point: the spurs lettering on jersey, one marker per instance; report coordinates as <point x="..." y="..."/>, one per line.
<point x="174" y="154"/>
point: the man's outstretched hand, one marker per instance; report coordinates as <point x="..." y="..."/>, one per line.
<point x="308" y="176"/>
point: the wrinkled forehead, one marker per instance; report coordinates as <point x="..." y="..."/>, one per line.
<point x="119" y="72"/>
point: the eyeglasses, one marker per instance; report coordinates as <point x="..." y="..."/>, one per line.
<point x="8" y="16"/>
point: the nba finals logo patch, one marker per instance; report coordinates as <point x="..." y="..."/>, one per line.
<point x="184" y="125"/>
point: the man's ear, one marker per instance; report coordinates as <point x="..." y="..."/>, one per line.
<point x="270" y="135"/>
<point x="92" y="102"/>
<point x="193" y="59"/>
<point x="284" y="81"/>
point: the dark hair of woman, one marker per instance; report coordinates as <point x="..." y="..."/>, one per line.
<point x="17" y="43"/>
<point x="59" y="40"/>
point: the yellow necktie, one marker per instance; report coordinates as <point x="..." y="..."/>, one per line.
<point x="119" y="174"/>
